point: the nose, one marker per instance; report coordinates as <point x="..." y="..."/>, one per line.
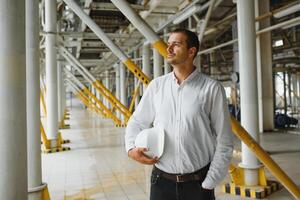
<point x="169" y="48"/>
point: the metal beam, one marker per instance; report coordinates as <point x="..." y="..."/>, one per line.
<point x="141" y="25"/>
<point x="100" y="6"/>
<point x="85" y="99"/>
<point x="279" y="25"/>
<point x="87" y="92"/>
<point x="95" y="83"/>
<point x="90" y="35"/>
<point x="115" y="49"/>
<point x="207" y="17"/>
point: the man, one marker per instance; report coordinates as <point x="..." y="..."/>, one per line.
<point x="192" y="110"/>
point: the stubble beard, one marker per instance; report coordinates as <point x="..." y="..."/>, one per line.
<point x="171" y="62"/>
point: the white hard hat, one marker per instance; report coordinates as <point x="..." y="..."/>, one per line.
<point x="153" y="139"/>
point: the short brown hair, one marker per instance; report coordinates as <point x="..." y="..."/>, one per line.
<point x="192" y="38"/>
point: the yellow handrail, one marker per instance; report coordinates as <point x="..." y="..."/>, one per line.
<point x="93" y="106"/>
<point x="264" y="157"/>
<point x="45" y="140"/>
<point x="102" y="106"/>
<point x="112" y="99"/>
<point x="136" y="91"/>
<point x="42" y="99"/>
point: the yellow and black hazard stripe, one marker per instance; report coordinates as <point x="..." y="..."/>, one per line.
<point x="66" y="141"/>
<point x="252" y="192"/>
<point x="120" y="125"/>
<point x="54" y="150"/>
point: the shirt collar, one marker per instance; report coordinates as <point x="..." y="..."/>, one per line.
<point x="189" y="78"/>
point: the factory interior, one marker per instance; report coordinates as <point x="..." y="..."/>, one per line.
<point x="74" y="71"/>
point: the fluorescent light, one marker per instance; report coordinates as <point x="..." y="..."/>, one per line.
<point x="278" y="43"/>
<point x="287" y="11"/>
<point x="189" y="12"/>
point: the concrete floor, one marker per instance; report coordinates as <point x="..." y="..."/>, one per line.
<point x="97" y="166"/>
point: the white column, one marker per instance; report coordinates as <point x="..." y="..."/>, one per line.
<point x="94" y="91"/>
<point x="167" y="67"/>
<point x="264" y="67"/>
<point x="235" y="47"/>
<point x="298" y="90"/>
<point x="235" y="85"/>
<point x="212" y="65"/>
<point x="98" y="97"/>
<point x="157" y="64"/>
<point x="295" y="91"/>
<point x="136" y="80"/>
<point x="197" y="62"/>
<point x="137" y="99"/>
<point x="59" y="91"/>
<point x="248" y="85"/>
<point x="90" y="87"/>
<point x="13" y="151"/>
<point x="107" y="85"/>
<point x="146" y="61"/>
<point x="259" y="71"/>
<point x="118" y="92"/>
<point x="64" y="99"/>
<point x="123" y="95"/>
<point x="33" y="99"/>
<point x="51" y="71"/>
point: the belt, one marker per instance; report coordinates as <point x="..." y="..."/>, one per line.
<point x="194" y="176"/>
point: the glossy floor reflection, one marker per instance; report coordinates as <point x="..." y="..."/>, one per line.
<point x="97" y="166"/>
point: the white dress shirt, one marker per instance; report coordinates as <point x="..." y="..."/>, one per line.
<point x="195" y="118"/>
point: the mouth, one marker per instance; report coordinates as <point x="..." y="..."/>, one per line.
<point x="169" y="55"/>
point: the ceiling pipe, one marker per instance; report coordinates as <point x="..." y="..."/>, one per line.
<point x="142" y="26"/>
<point x="206" y="51"/>
<point x="291" y="22"/>
<point x="108" y="42"/>
<point x="210" y="30"/>
<point x="68" y="73"/>
<point x="207" y="17"/>
<point x="287" y="11"/>
<point x="192" y="10"/>
<point x="171" y="19"/>
<point x="279" y="11"/>
<point x="78" y="66"/>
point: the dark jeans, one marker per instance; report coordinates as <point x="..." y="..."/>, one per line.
<point x="165" y="189"/>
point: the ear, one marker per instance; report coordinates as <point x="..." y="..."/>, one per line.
<point x="192" y="51"/>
